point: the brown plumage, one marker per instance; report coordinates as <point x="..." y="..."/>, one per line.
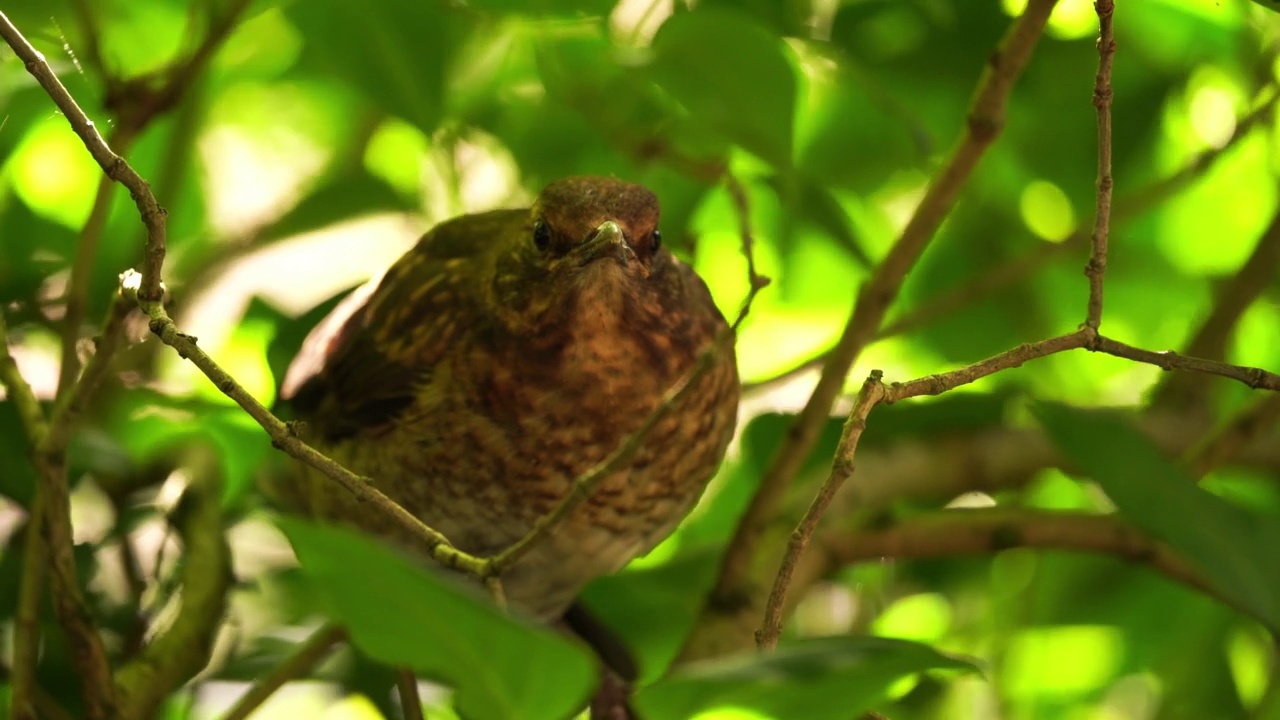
<point x="503" y="356"/>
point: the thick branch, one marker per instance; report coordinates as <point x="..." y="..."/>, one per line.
<point x="87" y="651"/>
<point x="952" y="533"/>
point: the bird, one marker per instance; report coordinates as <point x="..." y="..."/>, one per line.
<point x="503" y="356"/>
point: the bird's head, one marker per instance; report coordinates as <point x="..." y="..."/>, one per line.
<point x="587" y="241"/>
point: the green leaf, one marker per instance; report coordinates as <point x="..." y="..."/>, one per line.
<point x="403" y="614"/>
<point x="834" y="677"/>
<point x="733" y="76"/>
<point x="1234" y="547"/>
<point x="398" y="53"/>
<point x="811" y="204"/>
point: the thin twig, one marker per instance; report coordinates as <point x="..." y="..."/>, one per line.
<point x="1157" y="193"/>
<point x="286" y="440"/>
<point x="112" y="164"/>
<point x="1018" y="269"/>
<point x="874" y="392"/>
<point x="78" y="281"/>
<point x="410" y="701"/>
<point x="986" y="117"/>
<point x="940" y="383"/>
<point x="1255" y="378"/>
<point x="307" y="656"/>
<point x="72" y="402"/>
<point x="841" y="468"/>
<point x="1096" y="269"/>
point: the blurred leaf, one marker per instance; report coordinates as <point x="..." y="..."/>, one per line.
<point x="554" y="8"/>
<point x="785" y="17"/>
<point x="345" y="197"/>
<point x="834" y="677"/>
<point x="406" y="615"/>
<point x="811" y="204"/>
<point x="398" y="52"/>
<point x="733" y="76"/>
<point x="1234" y="547"/>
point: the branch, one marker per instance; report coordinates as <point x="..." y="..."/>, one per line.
<point x="78" y="282"/>
<point x="1255" y="378"/>
<point x="951" y="533"/>
<point x="1018" y="269"/>
<point x="26" y="632"/>
<point x="112" y="164"/>
<point x="938" y="384"/>
<point x="986" y="117"/>
<point x="1097" y="266"/>
<point x="73" y="401"/>
<point x="306" y="657"/>
<point x="88" y="652"/>
<point x="410" y="702"/>
<point x="284" y="438"/>
<point x="872" y="394"/>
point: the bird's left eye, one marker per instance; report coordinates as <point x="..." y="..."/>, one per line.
<point x="657" y="240"/>
<point x="541" y="235"/>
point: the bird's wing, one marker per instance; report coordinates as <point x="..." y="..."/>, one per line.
<point x="362" y="365"/>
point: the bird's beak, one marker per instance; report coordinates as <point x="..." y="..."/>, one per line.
<point x="608" y="241"/>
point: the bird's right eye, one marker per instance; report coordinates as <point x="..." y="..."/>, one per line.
<point x="541" y="235"/>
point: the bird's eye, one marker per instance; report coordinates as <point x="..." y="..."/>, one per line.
<point x="541" y="235"/>
<point x="657" y="240"/>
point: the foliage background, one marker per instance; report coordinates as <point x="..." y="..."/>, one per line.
<point x="321" y="138"/>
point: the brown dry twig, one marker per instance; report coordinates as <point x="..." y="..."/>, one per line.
<point x="284" y="438"/>
<point x="872" y="394"/>
<point x="88" y="653"/>
<point x="986" y="117"/>
<point x="1018" y="269"/>
<point x="307" y="656"/>
<point x="1097" y="267"/>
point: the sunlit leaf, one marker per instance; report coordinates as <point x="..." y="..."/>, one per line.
<point x="1233" y="547"/>
<point x="733" y="76"/>
<point x="403" y="614"/>
<point x="835" y="677"/>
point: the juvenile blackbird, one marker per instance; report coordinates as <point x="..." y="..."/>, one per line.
<point x="503" y="356"/>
